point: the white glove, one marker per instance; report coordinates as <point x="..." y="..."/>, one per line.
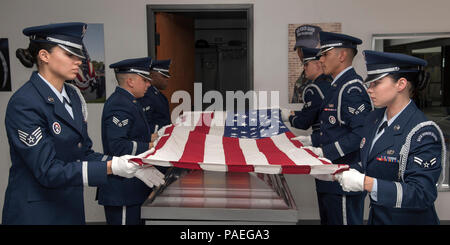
<point x="305" y="140"/>
<point x="121" y="167"/>
<point x="316" y="150"/>
<point x="285" y="113"/>
<point x="324" y="177"/>
<point x="150" y="176"/>
<point x="351" y="180"/>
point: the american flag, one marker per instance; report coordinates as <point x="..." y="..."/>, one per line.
<point x="253" y="141"/>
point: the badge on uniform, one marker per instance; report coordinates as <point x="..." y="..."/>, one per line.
<point x="387" y="159"/>
<point x="354" y="87"/>
<point x="427" y="134"/>
<point x="120" y="123"/>
<point x="332" y="119"/>
<point x="30" y="139"/>
<point x="307" y="104"/>
<point x="146" y="108"/>
<point x="56" y="128"/>
<point x="424" y="164"/>
<point x="354" y="111"/>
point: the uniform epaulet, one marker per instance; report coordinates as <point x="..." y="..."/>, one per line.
<point x="83" y="102"/>
<point x="404" y="152"/>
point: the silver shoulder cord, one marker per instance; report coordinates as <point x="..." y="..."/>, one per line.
<point x="340" y="98"/>
<point x="83" y="102"/>
<point x="404" y="152"/>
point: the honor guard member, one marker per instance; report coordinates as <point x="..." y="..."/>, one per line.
<point x="154" y="103"/>
<point x="341" y="121"/>
<point x="402" y="152"/>
<point x="306" y="36"/>
<point x="46" y="124"/>
<point x="313" y="96"/>
<point x="125" y="131"/>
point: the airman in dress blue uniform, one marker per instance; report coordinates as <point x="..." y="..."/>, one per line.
<point x="402" y="152"/>
<point x="313" y="95"/>
<point x="154" y="103"/>
<point x="341" y="121"/>
<point x="125" y="131"/>
<point x="46" y="124"/>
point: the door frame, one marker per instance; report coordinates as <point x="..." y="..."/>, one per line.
<point x="248" y="8"/>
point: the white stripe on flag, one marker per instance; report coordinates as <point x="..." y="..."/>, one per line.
<point x="174" y="147"/>
<point x="214" y="156"/>
<point x="256" y="158"/>
<point x="298" y="156"/>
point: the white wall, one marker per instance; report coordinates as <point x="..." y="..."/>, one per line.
<point x="125" y="37"/>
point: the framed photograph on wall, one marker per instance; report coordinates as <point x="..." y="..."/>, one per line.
<point x="5" y="71"/>
<point x="91" y="74"/>
<point x="296" y="81"/>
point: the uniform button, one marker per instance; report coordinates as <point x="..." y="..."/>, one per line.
<point x="321" y="122"/>
<point x="321" y="133"/>
<point x="80" y="145"/>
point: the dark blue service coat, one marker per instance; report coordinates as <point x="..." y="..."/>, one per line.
<point x="51" y="157"/>
<point x="156" y="108"/>
<point x="313" y="96"/>
<point x="406" y="189"/>
<point x="341" y="122"/>
<point x="124" y="132"/>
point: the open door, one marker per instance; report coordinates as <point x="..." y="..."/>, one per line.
<point x="175" y="40"/>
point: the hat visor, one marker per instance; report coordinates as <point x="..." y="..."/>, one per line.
<point x="373" y="78"/>
<point x="75" y="51"/>
<point x="308" y="43"/>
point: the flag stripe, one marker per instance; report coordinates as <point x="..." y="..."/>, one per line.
<point x="234" y="156"/>
<point x="272" y="153"/>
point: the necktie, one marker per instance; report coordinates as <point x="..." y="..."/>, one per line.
<point x="383" y="125"/>
<point x="66" y="101"/>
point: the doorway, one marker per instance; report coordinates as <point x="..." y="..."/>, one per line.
<point x="209" y="44"/>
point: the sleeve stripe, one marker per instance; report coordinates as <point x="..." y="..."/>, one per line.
<point x="84" y="169"/>
<point x="104" y="158"/>
<point x="399" y="187"/>
<point x="339" y="149"/>
<point x="133" y="152"/>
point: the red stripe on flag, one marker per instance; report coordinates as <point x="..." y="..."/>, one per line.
<point x="299" y="169"/>
<point x="272" y="153"/>
<point x="194" y="150"/>
<point x="186" y="165"/>
<point x="234" y="157"/>
<point x="163" y="140"/>
<point x="232" y="150"/>
<point x="204" y="123"/>
<point x="297" y="143"/>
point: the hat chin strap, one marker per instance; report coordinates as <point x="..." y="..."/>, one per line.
<point x="145" y="77"/>
<point x="367" y="83"/>
<point x="325" y="50"/>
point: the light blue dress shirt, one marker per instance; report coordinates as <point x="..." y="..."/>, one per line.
<point x="60" y="96"/>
